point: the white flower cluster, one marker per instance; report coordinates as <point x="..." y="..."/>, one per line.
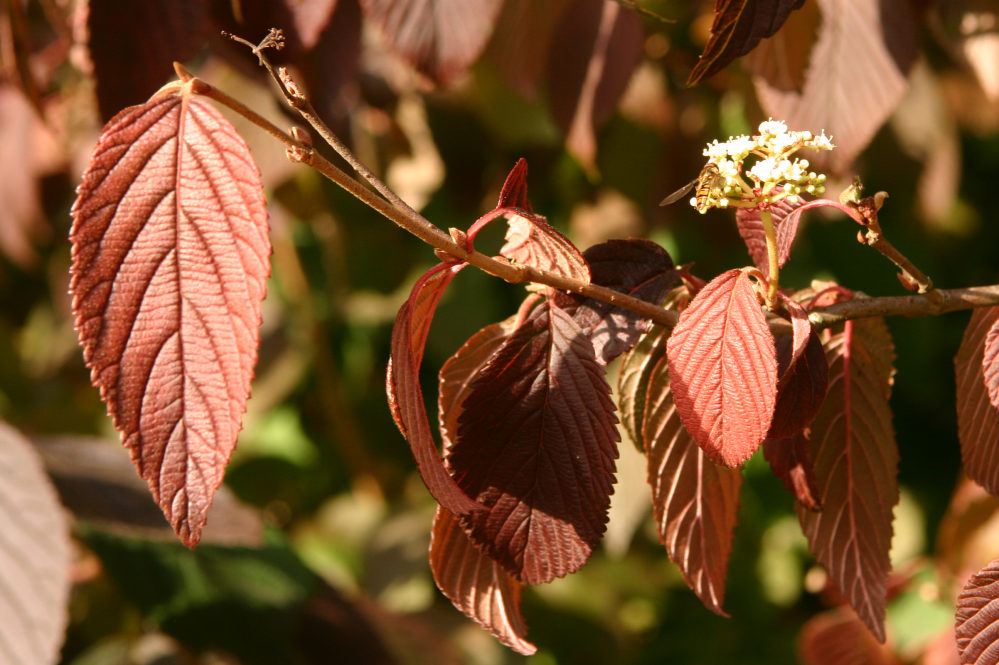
<point x="776" y="175"/>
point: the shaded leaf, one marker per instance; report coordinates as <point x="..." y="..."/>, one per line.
<point x="977" y="620"/>
<point x="301" y="22"/>
<point x="723" y="368"/>
<point x="521" y="42"/>
<point x="536" y="445"/>
<point x="738" y="26"/>
<point x="977" y="418"/>
<point x="595" y="49"/>
<point x="153" y="34"/>
<point x="34" y="556"/>
<point x="803" y="373"/>
<point x="696" y="502"/>
<point x="531" y="240"/>
<point x="836" y="637"/>
<point x="782" y="59"/>
<point x="639" y="268"/>
<point x="440" y="38"/>
<point x="853" y="82"/>
<point x="750" y="227"/>
<point x="855" y="459"/>
<point x="790" y="461"/>
<point x="633" y="380"/>
<point x="170" y="259"/>
<point x="332" y="68"/>
<point x="477" y="585"/>
<point x="402" y="384"/>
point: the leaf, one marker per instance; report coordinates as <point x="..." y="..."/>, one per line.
<point x="514" y="191"/>
<point x="534" y="242"/>
<point x="536" y="444"/>
<point x="153" y="34"/>
<point x="977" y="628"/>
<point x="738" y="26"/>
<point x="595" y="49"/>
<point x="35" y="556"/>
<point x="402" y="384"/>
<point x="790" y="461"/>
<point x="855" y="459"/>
<point x="477" y="585"/>
<point x="521" y="42"/>
<point x="750" y="227"/>
<point x="696" y="502"/>
<point x="836" y="637"/>
<point x="977" y="418"/>
<point x="22" y="218"/>
<point x="803" y="375"/>
<point x="638" y="268"/>
<point x="440" y="38"/>
<point x="723" y="369"/>
<point x="852" y="84"/>
<point x="782" y="59"/>
<point x="990" y="364"/>
<point x="633" y="380"/>
<point x="170" y="260"/>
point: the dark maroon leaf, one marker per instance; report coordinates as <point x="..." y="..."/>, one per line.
<point x="739" y="25"/>
<point x="477" y="585"/>
<point x="723" y="369"/>
<point x="751" y="229"/>
<point x="977" y="417"/>
<point x="133" y="45"/>
<point x="440" y="38"/>
<point x="405" y="396"/>
<point x="330" y="70"/>
<point x="803" y="373"/>
<point x="531" y="240"/>
<point x="633" y="381"/>
<point x="639" y="268"/>
<point x="836" y="637"/>
<point x="790" y="461"/>
<point x="521" y="42"/>
<point x="696" y="502"/>
<point x="977" y="621"/>
<point x="514" y="192"/>
<point x="536" y="445"/>
<point x="170" y="261"/>
<point x="595" y="48"/>
<point x="856" y="462"/>
<point x="35" y="556"/>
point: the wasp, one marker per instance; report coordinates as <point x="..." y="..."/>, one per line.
<point x="709" y="178"/>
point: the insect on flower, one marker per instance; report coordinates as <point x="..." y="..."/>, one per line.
<point x="709" y="178"/>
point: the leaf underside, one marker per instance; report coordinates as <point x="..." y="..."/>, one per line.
<point x="977" y="417"/>
<point x="803" y="378"/>
<point x="977" y="620"/>
<point x="750" y="225"/>
<point x="855" y="460"/>
<point x="170" y="259"/>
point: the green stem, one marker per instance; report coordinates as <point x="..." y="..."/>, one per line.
<point x="773" y="261"/>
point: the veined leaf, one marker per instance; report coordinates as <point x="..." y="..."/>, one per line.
<point x="514" y="191"/>
<point x="977" y="628"/>
<point x="695" y="501"/>
<point x="750" y="225"/>
<point x="803" y="373"/>
<point x="856" y="461"/>
<point x="633" y="380"/>
<point x="723" y="369"/>
<point x="791" y="462"/>
<point x="977" y="417"/>
<point x="170" y="258"/>
<point x="990" y="364"/>
<point x="536" y="444"/>
<point x="531" y="240"/>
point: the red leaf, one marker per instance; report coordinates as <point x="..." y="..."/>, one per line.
<point x="739" y="25"/>
<point x="521" y="41"/>
<point x="639" y="268"/>
<point x="977" y="625"/>
<point x="990" y="364"/>
<point x="477" y="585"/>
<point x="596" y="47"/>
<point x="836" y="637"/>
<point x="977" y="418"/>
<point x="405" y="396"/>
<point x="790" y="461"/>
<point x="35" y="556"/>
<point x="536" y="445"/>
<point x="751" y="229"/>
<point x="534" y="242"/>
<point x="723" y="368"/>
<point x="696" y="502"/>
<point x="853" y="82"/>
<point x="514" y="192"/>
<point x="633" y="381"/>
<point x="153" y="34"/>
<point x="803" y="376"/>
<point x="170" y="259"/>
<point x="440" y="38"/>
<point x="855" y="457"/>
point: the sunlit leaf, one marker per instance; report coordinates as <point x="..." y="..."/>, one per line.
<point x="170" y="259"/>
<point x="595" y="49"/>
<point x="856" y="462"/>
<point x="738" y="26"/>
<point x="536" y="444"/>
<point x="790" y="461"/>
<point x="514" y="191"/>
<point x="977" y="418"/>
<point x="750" y="227"/>
<point x="531" y="240"/>
<point x="440" y="38"/>
<point x="977" y="626"/>
<point x="990" y="364"/>
<point x="696" y="502"/>
<point x="34" y="557"/>
<point x="723" y="368"/>
<point x="477" y="585"/>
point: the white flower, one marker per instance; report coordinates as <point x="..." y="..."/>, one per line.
<point x="764" y="170"/>
<point x="772" y="128"/>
